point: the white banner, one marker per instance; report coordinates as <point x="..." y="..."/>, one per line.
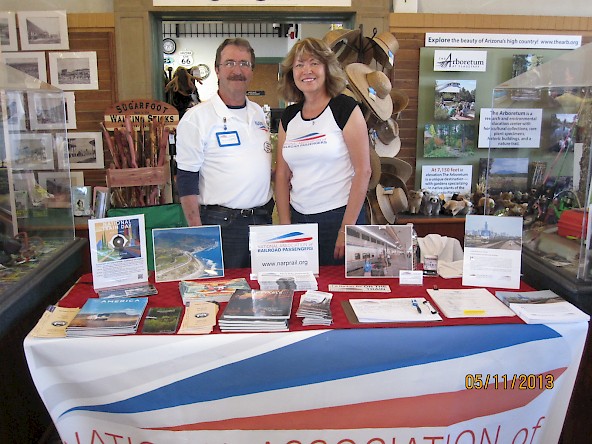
<point x="477" y="40"/>
<point x="453" y="60"/>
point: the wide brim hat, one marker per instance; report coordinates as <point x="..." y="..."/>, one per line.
<point x="391" y="201"/>
<point x="387" y="130"/>
<point x="376" y="167"/>
<point x="397" y="167"/>
<point x="384" y="50"/>
<point x="344" y="43"/>
<point x="373" y="86"/>
<point x="361" y="51"/>
<point x="390" y="149"/>
<point x="400" y="100"/>
<point x="376" y="216"/>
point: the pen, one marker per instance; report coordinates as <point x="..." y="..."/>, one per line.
<point x="416" y="305"/>
<point x="430" y="306"/>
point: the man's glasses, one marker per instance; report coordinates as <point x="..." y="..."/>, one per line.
<point x="233" y="63"/>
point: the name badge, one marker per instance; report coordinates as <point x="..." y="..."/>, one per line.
<point x="228" y="138"/>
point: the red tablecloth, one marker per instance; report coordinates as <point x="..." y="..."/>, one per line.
<point x="169" y="296"/>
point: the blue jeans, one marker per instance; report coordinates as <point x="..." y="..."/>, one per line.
<point x="329" y="223"/>
<point x="234" y="229"/>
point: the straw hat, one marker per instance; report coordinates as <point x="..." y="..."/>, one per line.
<point x="387" y="130"/>
<point x="376" y="167"/>
<point x="390" y="149"/>
<point x="400" y="100"/>
<point x="385" y="49"/>
<point x="373" y="86"/>
<point x="396" y="167"/>
<point x="376" y="215"/>
<point x="391" y="201"/>
<point x="344" y="43"/>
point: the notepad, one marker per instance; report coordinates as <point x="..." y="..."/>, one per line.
<point x="469" y="303"/>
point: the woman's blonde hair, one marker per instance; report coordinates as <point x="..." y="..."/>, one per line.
<point x="335" y="79"/>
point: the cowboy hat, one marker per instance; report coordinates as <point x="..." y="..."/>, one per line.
<point x="344" y="43"/>
<point x="390" y="149"/>
<point x="375" y="213"/>
<point x="362" y="50"/>
<point x="396" y="167"/>
<point x="400" y="100"/>
<point x="373" y="86"/>
<point x="385" y="49"/>
<point x="387" y="130"/>
<point x="376" y="167"/>
<point x="392" y="201"/>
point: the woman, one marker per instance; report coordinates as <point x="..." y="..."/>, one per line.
<point x="323" y="160"/>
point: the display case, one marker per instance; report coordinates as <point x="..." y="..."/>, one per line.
<point x="539" y="131"/>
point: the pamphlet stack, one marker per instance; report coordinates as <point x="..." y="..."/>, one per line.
<point x="214" y="291"/>
<point x="298" y="280"/>
<point x="257" y="310"/>
<point x="107" y="317"/>
<point x="315" y="308"/>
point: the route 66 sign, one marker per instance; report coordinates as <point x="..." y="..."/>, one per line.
<point x="186" y="58"/>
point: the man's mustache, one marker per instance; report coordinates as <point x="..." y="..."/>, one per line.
<point x="238" y="77"/>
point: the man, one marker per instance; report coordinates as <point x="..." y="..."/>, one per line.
<point x="224" y="144"/>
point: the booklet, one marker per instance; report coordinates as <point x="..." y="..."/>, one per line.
<point x="217" y="290"/>
<point x="541" y="307"/>
<point x="162" y="320"/>
<point x="259" y="304"/>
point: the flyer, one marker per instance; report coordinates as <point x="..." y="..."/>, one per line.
<point x="118" y="251"/>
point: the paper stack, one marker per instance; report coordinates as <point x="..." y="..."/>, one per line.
<point x="257" y="310"/>
<point x="214" y="291"/>
<point x="541" y="307"/>
<point x="299" y="280"/>
<point x="315" y="308"/>
<point x="199" y="318"/>
<point x="107" y="317"/>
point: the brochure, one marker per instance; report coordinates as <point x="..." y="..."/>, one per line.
<point x="541" y="307"/>
<point x="162" y="320"/>
<point x="216" y="290"/>
<point x="118" y="251"/>
<point x="199" y="318"/>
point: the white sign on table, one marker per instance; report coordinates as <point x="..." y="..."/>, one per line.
<point x="284" y="248"/>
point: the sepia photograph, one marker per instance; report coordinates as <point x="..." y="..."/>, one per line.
<point x="74" y="70"/>
<point x="52" y="110"/>
<point x="84" y="150"/>
<point x="32" y="151"/>
<point x="31" y="63"/>
<point x="8" y="38"/>
<point x="40" y="30"/>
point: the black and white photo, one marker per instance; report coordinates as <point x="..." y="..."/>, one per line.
<point x="31" y="63"/>
<point x="84" y="150"/>
<point x="40" y="30"/>
<point x="8" y="39"/>
<point x="74" y="70"/>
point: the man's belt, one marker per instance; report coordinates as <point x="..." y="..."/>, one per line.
<point x="263" y="210"/>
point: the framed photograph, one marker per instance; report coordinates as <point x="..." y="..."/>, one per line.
<point x="59" y="185"/>
<point x="74" y="70"/>
<point x="31" y="151"/>
<point x="84" y="150"/>
<point x="82" y="200"/>
<point x="41" y="30"/>
<point x="454" y="139"/>
<point x="16" y="117"/>
<point x="47" y="110"/>
<point x="31" y="63"/>
<point x="8" y="39"/>
<point x="378" y="250"/>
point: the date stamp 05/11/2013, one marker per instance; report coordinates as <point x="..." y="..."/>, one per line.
<point x="479" y="381"/>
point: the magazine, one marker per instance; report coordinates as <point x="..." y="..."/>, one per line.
<point x="315" y="308"/>
<point x="118" y="251"/>
<point x="107" y="316"/>
<point x="259" y="304"/>
<point x="218" y="290"/>
<point x="162" y="320"/>
<point x="541" y="307"/>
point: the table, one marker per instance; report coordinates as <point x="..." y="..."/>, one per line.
<point x="396" y="383"/>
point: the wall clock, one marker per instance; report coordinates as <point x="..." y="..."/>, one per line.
<point x="203" y="71"/>
<point x="168" y="46"/>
